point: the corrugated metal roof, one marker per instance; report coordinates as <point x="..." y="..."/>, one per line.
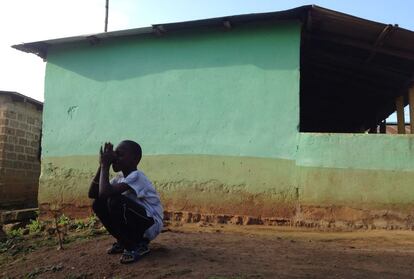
<point x="40" y="47"/>
<point x="331" y="23"/>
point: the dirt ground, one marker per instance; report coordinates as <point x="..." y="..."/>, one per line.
<point x="230" y="251"/>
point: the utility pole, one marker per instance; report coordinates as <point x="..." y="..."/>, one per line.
<point x="106" y="15"/>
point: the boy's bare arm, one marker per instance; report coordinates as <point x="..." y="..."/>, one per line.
<point x="105" y="188"/>
<point x="94" y="187"/>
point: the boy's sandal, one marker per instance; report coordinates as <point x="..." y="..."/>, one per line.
<point x="143" y="249"/>
<point x="115" y="249"/>
<point x="129" y="257"/>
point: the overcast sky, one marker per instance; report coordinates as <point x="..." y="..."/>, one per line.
<point x="28" y="20"/>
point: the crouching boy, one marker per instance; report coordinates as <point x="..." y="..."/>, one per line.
<point x="128" y="206"/>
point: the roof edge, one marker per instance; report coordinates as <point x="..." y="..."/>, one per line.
<point x="40" y="48"/>
<point x="22" y="97"/>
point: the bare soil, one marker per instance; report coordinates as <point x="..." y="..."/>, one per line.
<point x="230" y="251"/>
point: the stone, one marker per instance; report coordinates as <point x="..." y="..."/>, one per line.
<point x="249" y="220"/>
<point x="196" y="217"/>
<point x="237" y="220"/>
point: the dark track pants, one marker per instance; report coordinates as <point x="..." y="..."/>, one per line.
<point x="123" y="218"/>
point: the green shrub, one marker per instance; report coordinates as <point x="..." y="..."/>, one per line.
<point x="92" y="221"/>
<point x="63" y="220"/>
<point x="35" y="226"/>
<point x="16" y="233"/>
<point x="79" y="224"/>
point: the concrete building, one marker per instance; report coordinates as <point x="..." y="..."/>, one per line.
<point x="20" y="132"/>
<point x="258" y="115"/>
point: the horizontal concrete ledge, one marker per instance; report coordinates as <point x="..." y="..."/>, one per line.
<point x="330" y="218"/>
<point x="372" y="221"/>
<point x="13" y="216"/>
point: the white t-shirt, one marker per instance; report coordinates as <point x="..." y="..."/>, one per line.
<point x="146" y="196"/>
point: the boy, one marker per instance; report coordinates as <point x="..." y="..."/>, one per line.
<point x="128" y="206"/>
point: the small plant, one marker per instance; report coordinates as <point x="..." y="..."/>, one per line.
<point x="40" y="270"/>
<point x="60" y="221"/>
<point x="92" y="221"/>
<point x="7" y="245"/>
<point x="79" y="225"/>
<point x="16" y="233"/>
<point x="35" y="226"/>
<point x="63" y="220"/>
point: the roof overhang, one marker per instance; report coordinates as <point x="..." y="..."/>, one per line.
<point x="40" y="48"/>
<point x="341" y="27"/>
<point x="352" y="71"/>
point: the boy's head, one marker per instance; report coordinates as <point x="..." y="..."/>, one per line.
<point x="128" y="154"/>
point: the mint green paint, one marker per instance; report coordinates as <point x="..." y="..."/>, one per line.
<point x="250" y="172"/>
<point x="214" y="93"/>
<point x="365" y="170"/>
<point x="356" y="151"/>
<point x="199" y="183"/>
<point x="354" y="187"/>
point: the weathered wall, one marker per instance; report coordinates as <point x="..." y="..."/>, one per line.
<point x="374" y="168"/>
<point x="217" y="116"/>
<point x="362" y="179"/>
<point x="20" y="124"/>
<point x="210" y="111"/>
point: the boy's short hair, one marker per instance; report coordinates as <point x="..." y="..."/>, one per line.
<point x="135" y="149"/>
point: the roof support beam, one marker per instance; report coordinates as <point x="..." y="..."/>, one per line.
<point x="93" y="40"/>
<point x="227" y="24"/>
<point x="399" y="103"/>
<point x="380" y="41"/>
<point x="317" y="56"/>
<point x="337" y="74"/>
<point x="411" y="102"/>
<point x="159" y="30"/>
<point x="361" y="45"/>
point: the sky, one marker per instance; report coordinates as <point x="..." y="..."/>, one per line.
<point x="23" y="21"/>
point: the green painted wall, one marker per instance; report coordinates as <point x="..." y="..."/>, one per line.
<point x="212" y="93"/>
<point x="215" y="112"/>
<point x="217" y="115"/>
<point x="363" y="170"/>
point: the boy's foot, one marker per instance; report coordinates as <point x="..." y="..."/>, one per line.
<point x="143" y="249"/>
<point x="115" y="249"/>
<point x="129" y="256"/>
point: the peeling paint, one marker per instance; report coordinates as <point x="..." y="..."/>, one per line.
<point x="72" y="110"/>
<point x="66" y="181"/>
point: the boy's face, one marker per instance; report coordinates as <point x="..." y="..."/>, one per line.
<point x="124" y="158"/>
